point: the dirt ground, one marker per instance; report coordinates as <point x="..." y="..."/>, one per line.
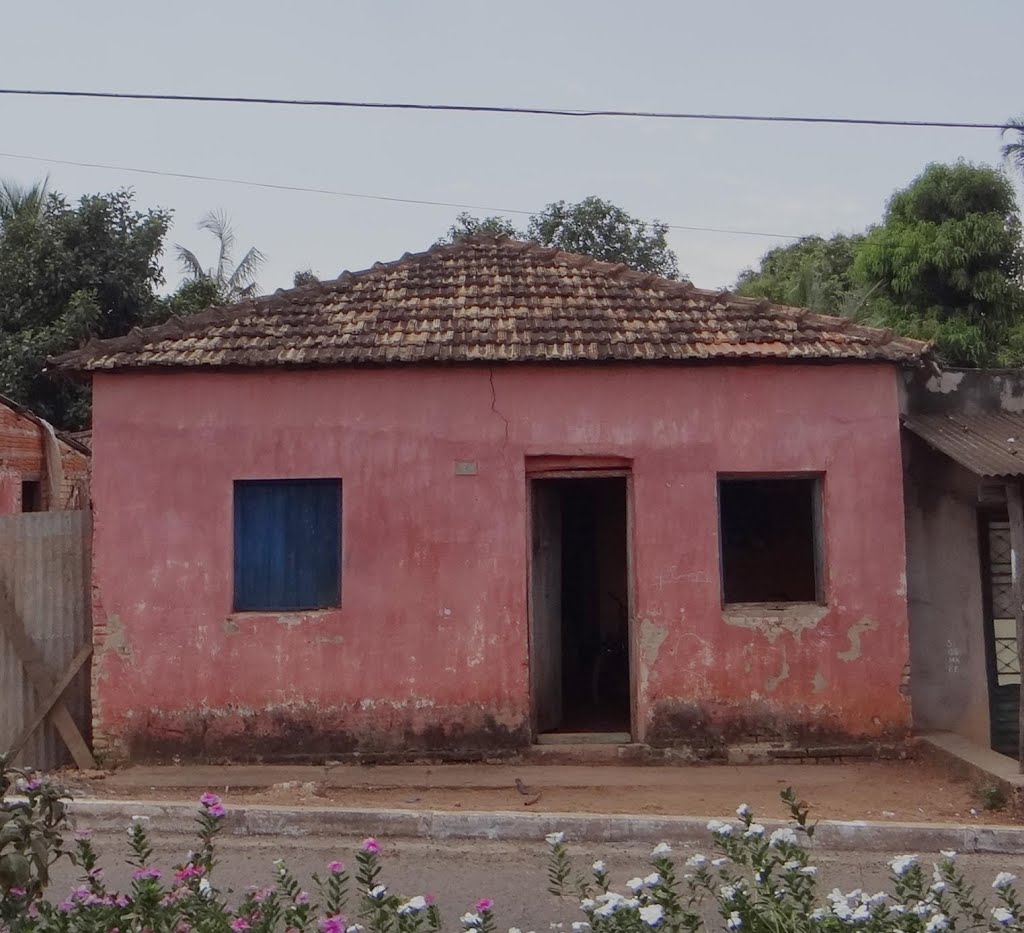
<point x="911" y="791"/>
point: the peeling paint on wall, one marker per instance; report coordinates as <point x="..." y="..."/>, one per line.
<point x="773" y="682"/>
<point x="652" y="637"/>
<point x="773" y="622"/>
<point x="854" y="633"/>
<point x="820" y="682"/>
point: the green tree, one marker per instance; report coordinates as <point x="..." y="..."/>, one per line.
<point x="593" y="227"/>
<point x="1013" y="151"/>
<point x="69" y="273"/>
<point x="231" y="282"/>
<point x="305" y="277"/>
<point x="22" y="200"/>
<point x="600" y="229"/>
<point x="466" y="225"/>
<point x="811" y="273"/>
<point x="947" y="263"/>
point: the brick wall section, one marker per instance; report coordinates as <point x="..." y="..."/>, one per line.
<point x="22" y="453"/>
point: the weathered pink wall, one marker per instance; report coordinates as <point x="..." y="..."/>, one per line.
<point x="430" y="646"/>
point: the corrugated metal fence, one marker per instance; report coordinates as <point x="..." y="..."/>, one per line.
<point x="44" y="587"/>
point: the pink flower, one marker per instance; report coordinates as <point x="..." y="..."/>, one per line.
<point x="335" y="924"/>
<point x="485" y="903"/>
<point x="302" y="898"/>
<point x="335" y="868"/>
<point x="146" y="874"/>
<point x="16" y="892"/>
<point x="209" y="800"/>
<point x="190" y="871"/>
<point x="240" y="925"/>
<point x="371" y="846"/>
<point x="217" y="811"/>
<point x="431" y="900"/>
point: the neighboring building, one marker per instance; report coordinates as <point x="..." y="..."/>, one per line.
<point x="40" y="469"/>
<point x="490" y="494"/>
<point x="964" y="441"/>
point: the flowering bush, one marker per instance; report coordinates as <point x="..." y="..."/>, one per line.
<point x="754" y="880"/>
<point x="761" y="882"/>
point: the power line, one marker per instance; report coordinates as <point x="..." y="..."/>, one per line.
<point x="353" y="194"/>
<point x="520" y="111"/>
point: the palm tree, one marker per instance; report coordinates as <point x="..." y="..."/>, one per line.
<point x="1014" y="152"/>
<point x="231" y="284"/>
<point x="22" y="201"/>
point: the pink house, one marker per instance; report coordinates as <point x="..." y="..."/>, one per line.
<point x="494" y="494"/>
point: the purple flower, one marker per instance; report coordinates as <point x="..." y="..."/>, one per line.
<point x="209" y="800"/>
<point x="335" y="924"/>
<point x="302" y="898"/>
<point x="121" y="901"/>
<point x="240" y="925"/>
<point x="16" y="892"/>
<point x="146" y="874"/>
<point x="217" y="811"/>
<point x="335" y="868"/>
<point x="33" y="785"/>
<point x="371" y="846"/>
<point x="485" y="903"/>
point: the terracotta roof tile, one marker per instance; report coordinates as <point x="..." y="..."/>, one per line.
<point x="491" y="300"/>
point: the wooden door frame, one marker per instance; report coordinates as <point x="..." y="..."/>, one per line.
<point x="542" y="471"/>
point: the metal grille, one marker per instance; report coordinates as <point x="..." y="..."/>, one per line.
<point x="1003" y="623"/>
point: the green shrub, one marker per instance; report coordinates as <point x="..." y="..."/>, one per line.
<point x="754" y="881"/>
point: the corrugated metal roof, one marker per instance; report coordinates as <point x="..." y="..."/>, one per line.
<point x="989" y="444"/>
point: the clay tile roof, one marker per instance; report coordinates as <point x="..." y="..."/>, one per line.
<point x="491" y="300"/>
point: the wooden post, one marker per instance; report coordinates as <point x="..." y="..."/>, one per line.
<point x="1015" y="508"/>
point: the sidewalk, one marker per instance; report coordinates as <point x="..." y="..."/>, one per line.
<point x="884" y="791"/>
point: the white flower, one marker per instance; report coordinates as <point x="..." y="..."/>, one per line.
<point x="727" y="891"/>
<point x="734" y="922"/>
<point x="1002" y="915"/>
<point x="635" y="884"/>
<point x="414" y="905"/>
<point x="902" y="864"/>
<point x="897" y="909"/>
<point x="780" y="836"/>
<point x="939" y="887"/>
<point x="554" y="839"/>
<point x="948" y="854"/>
<point x="754" y="830"/>
<point x="470" y="920"/>
<point x="662" y="848"/>
<point x="809" y="870"/>
<point x="697" y="861"/>
<point x="588" y="903"/>
<point x="1003" y="880"/>
<point x="652" y="914"/>
<point x="606" y="910"/>
<point x="743" y="811"/>
<point x="205" y="888"/>
<point x="937" y="922"/>
<point x="861" y="913"/>
<point x="920" y="910"/>
<point x="874" y="900"/>
<point x="842" y="910"/>
<point x="378" y="892"/>
<point x="719" y="862"/>
<point x="580" y="925"/>
<point x="599" y="868"/>
<point x="791" y="865"/>
<point x="818" y="914"/>
<point x="652" y="880"/>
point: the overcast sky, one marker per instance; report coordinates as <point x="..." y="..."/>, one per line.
<point x="902" y="59"/>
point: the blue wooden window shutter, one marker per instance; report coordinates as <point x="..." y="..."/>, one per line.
<point x="287" y="544"/>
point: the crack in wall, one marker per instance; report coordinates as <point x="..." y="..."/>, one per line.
<point x="494" y="401"/>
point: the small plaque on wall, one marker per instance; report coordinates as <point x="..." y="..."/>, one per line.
<point x="465" y="468"/>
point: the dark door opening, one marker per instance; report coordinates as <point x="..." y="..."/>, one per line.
<point x="580" y="605"/>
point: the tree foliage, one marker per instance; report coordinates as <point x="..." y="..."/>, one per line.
<point x="945" y="264"/>
<point x="230" y="281"/>
<point x="593" y="226"/>
<point x="68" y="273"/>
<point x="948" y="261"/>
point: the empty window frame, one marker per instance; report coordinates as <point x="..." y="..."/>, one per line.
<point x="770" y="535"/>
<point x="31" y="495"/>
<point x="287" y="544"/>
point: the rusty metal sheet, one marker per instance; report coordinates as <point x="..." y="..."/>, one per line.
<point x="987" y="444"/>
<point x="44" y="567"/>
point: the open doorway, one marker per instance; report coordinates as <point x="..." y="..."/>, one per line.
<point x="579" y="604"/>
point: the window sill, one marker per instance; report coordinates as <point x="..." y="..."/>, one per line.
<point x="774" y="619"/>
<point x="281" y="615"/>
